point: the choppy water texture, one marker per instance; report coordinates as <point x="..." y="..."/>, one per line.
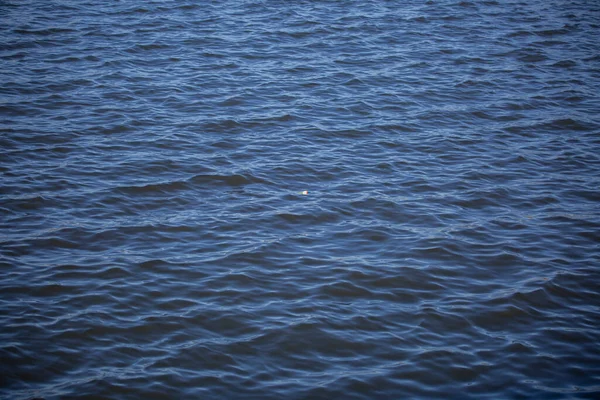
<point x="155" y="241"/>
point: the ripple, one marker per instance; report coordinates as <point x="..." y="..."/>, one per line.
<point x="308" y="200"/>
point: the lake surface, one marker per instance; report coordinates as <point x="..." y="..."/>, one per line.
<point x="299" y="199"/>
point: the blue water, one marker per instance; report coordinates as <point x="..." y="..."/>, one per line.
<point x="276" y="199"/>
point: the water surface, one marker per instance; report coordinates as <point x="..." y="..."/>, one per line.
<point x="155" y="240"/>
